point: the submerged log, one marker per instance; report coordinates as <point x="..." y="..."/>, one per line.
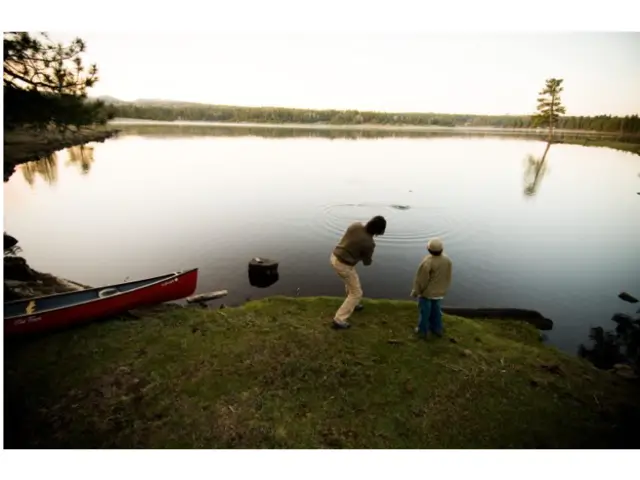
<point x="207" y="297"/>
<point x="530" y="316"/>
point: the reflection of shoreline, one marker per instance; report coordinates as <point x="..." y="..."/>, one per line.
<point x="176" y="129"/>
<point x="150" y="128"/>
<point x="126" y="123"/>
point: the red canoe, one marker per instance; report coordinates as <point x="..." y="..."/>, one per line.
<point x="65" y="309"/>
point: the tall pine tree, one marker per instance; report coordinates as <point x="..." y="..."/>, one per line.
<point x="550" y="105"/>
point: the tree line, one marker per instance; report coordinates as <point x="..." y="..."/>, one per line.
<point x="628" y="125"/>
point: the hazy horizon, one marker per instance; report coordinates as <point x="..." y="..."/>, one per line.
<point x="479" y="74"/>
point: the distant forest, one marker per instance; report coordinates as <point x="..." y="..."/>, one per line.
<point x="171" y="111"/>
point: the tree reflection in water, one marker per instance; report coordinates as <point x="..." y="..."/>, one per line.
<point x="535" y="171"/>
<point x="46" y="168"/>
<point x="82" y="157"/>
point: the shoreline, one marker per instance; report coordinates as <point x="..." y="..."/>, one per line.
<point x="36" y="284"/>
<point x="26" y="145"/>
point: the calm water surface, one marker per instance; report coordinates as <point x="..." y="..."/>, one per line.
<point x="142" y="205"/>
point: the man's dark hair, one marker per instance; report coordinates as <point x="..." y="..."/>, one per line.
<point x="376" y="226"/>
<point x="435" y="253"/>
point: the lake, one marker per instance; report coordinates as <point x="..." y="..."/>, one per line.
<point x="155" y="200"/>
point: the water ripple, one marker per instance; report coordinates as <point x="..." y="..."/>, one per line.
<point x="408" y="225"/>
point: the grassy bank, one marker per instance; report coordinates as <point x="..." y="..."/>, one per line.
<point x="273" y="374"/>
<point x="26" y="145"/>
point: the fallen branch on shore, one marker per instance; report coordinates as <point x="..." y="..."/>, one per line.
<point x="207" y="297"/>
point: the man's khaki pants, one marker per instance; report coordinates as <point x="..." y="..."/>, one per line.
<point x="352" y="286"/>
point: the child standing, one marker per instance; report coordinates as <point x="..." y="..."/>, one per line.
<point x="430" y="285"/>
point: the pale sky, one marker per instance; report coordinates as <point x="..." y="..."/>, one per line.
<point x="446" y="73"/>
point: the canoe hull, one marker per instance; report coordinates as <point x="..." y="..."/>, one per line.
<point x="165" y="289"/>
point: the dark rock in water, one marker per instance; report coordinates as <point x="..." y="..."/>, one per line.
<point x="262" y="263"/>
<point x="16" y="268"/>
<point x="260" y="279"/>
<point x="263" y="272"/>
<point x="401" y="207"/>
<point x="627" y="297"/>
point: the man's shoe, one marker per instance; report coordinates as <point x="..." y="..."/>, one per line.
<point x="340" y="325"/>
<point x="358" y="308"/>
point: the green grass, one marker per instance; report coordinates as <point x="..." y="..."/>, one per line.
<point x="273" y="374"/>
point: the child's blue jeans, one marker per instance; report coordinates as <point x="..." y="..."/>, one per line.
<point x="429" y="316"/>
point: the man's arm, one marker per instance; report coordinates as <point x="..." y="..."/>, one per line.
<point x="367" y="254"/>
